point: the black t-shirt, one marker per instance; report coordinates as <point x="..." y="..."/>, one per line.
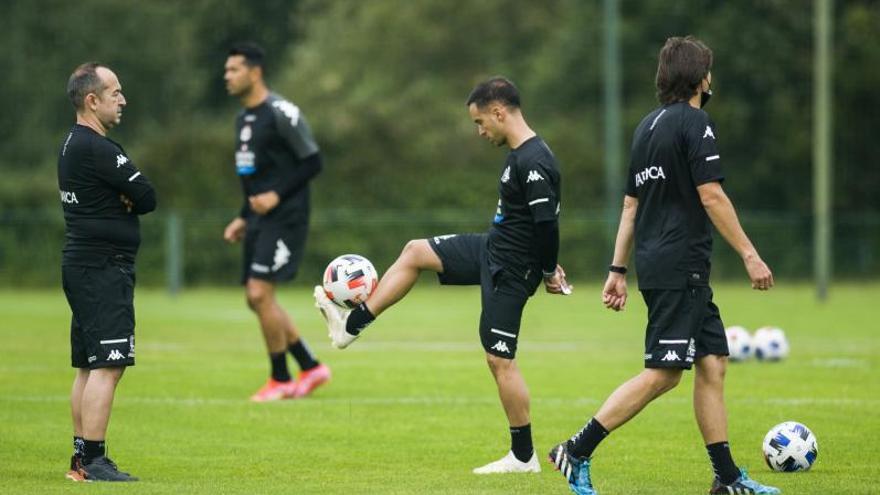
<point x="272" y="140"/>
<point x="528" y="193"/>
<point x="93" y="171"/>
<point x="673" y="152"/>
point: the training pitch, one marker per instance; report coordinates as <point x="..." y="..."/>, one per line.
<point x="412" y="407"/>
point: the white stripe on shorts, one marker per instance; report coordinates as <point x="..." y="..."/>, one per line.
<point x="539" y="200"/>
<point x="499" y="332"/>
<point x="683" y="341"/>
<point x="114" y="341"/>
<point x="133" y="177"/>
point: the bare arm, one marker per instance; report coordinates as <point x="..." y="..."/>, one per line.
<point x="614" y="292"/>
<point x="723" y="216"/>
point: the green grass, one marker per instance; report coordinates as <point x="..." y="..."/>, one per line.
<point x="412" y="407"/>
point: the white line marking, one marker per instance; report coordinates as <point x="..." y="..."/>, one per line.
<point x="539" y="200"/>
<point x="133" y="177"/>
<point x="713" y="157"/>
<point x="499" y="332"/>
<point x="114" y="341"/>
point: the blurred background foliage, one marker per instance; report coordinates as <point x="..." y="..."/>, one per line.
<point x="383" y="84"/>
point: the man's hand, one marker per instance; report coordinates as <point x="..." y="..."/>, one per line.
<point x="759" y="272"/>
<point x="129" y="204"/>
<point x="264" y="202"/>
<point x="235" y="230"/>
<point x="556" y="284"/>
<point x="614" y="292"/>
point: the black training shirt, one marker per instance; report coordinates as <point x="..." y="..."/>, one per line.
<point x="273" y="141"/>
<point x="673" y="151"/>
<point x="528" y="194"/>
<point x="93" y="171"/>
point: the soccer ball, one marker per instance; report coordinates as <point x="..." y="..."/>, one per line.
<point x="770" y="344"/>
<point x="790" y="446"/>
<point x="349" y="280"/>
<point x="739" y="343"/>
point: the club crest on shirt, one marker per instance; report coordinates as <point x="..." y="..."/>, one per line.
<point x="246" y="134"/>
<point x="506" y="175"/>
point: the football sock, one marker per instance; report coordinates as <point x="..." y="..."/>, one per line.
<point x="722" y="462"/>
<point x="521" y="442"/>
<point x="359" y="318"/>
<point x="279" y="366"/>
<point x="92" y="449"/>
<point x="585" y="441"/>
<point x="77" y="446"/>
<point x="303" y="355"/>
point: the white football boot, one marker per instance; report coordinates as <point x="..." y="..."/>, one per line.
<point x="335" y="317"/>
<point x="510" y="464"/>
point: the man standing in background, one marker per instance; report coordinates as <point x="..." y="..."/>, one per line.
<point x="275" y="158"/>
<point x="102" y="193"/>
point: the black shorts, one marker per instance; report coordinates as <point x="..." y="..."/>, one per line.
<point x="683" y="325"/>
<point x="504" y="294"/>
<point x="273" y="252"/>
<point x="101" y="299"/>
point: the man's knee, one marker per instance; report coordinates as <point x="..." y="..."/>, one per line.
<point x="499" y="365"/>
<point x="712" y="368"/>
<point x="418" y="254"/>
<point x="258" y="294"/>
<point x="663" y="380"/>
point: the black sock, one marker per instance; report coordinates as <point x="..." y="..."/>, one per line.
<point x="279" y="367"/>
<point x="92" y="449"/>
<point x="303" y="355"/>
<point x="77" y="446"/>
<point x="521" y="442"/>
<point x="722" y="462"/>
<point x="585" y="441"/>
<point x="359" y="318"/>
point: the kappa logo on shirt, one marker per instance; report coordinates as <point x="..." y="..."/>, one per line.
<point x="708" y="133"/>
<point x="121" y="160"/>
<point x="534" y="176"/>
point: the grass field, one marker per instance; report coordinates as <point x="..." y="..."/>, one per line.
<point x="412" y="407"/>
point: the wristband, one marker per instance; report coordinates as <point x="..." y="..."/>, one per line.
<point x="617" y="269"/>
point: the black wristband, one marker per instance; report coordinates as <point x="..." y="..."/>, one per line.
<point x="617" y="269"/>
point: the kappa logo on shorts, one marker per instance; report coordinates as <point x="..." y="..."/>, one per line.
<point x="282" y="255"/>
<point x="670" y="356"/>
<point x="115" y="355"/>
<point x="501" y="346"/>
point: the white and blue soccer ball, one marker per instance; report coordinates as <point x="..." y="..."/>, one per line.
<point x="739" y="343"/>
<point x="790" y="447"/>
<point x="770" y="344"/>
<point x="349" y="280"/>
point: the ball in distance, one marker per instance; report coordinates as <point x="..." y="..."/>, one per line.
<point x="349" y="280"/>
<point x="770" y="344"/>
<point x="790" y="447"/>
<point x="739" y="343"/>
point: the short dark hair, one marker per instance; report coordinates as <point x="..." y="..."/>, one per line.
<point x="254" y="55"/>
<point x="683" y="63"/>
<point x="83" y="81"/>
<point x="498" y="89"/>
